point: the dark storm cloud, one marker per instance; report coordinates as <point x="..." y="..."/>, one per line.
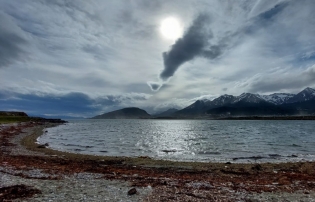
<point x="192" y="44"/>
<point x="11" y="41"/>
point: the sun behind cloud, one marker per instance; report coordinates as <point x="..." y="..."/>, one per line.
<point x="170" y="28"/>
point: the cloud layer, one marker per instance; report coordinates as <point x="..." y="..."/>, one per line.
<point x="11" y="41"/>
<point x="99" y="55"/>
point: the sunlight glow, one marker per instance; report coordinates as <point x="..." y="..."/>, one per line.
<point x="171" y="28"/>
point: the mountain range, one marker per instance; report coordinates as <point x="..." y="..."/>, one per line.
<point x="246" y="104"/>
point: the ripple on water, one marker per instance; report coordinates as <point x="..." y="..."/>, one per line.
<point x="209" y="153"/>
<point x="187" y="139"/>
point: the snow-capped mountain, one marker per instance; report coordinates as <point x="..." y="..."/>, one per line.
<point x="222" y="100"/>
<point x="304" y="95"/>
<point x="277" y="98"/>
<point x="273" y="104"/>
<point x="248" y="97"/>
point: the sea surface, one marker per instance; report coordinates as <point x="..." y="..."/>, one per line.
<point x="188" y="140"/>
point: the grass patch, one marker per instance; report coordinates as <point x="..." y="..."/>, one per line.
<point x="14" y="119"/>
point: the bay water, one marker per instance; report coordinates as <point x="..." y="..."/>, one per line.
<point x="188" y="140"/>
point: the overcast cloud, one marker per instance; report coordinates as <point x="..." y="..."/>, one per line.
<point x="83" y="58"/>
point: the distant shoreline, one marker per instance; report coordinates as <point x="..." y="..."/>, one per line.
<point x="222" y="118"/>
<point x="270" y="118"/>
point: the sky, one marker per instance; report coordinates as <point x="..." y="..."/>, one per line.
<point x="83" y="58"/>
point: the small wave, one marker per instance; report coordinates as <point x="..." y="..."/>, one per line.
<point x="71" y="145"/>
<point x="103" y="151"/>
<point x="76" y="145"/>
<point x="275" y="155"/>
<point x="249" y="158"/>
<point x="208" y="152"/>
<point x="169" y="150"/>
<point x="296" y="145"/>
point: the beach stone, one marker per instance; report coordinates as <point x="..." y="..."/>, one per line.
<point x="17" y="191"/>
<point x="257" y="167"/>
<point x="43" y="145"/>
<point x="132" y="191"/>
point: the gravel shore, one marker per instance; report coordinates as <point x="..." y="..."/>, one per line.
<point x="76" y="187"/>
<point x="42" y="174"/>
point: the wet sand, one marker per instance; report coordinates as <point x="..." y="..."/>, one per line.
<point x="155" y="180"/>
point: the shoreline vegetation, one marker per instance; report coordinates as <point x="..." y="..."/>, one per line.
<point x="12" y="117"/>
<point x="169" y="180"/>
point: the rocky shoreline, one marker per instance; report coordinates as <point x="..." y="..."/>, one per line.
<point x="47" y="174"/>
